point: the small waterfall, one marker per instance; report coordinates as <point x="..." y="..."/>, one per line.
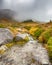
<point x="39" y="53"/>
<point x="30" y="37"/>
<point x="22" y="56"/>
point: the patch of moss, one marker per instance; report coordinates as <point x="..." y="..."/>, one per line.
<point x="9" y="45"/>
<point x="26" y="39"/>
<point x="21" y="42"/>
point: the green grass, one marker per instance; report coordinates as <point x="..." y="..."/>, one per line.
<point x="49" y="43"/>
<point x="38" y="32"/>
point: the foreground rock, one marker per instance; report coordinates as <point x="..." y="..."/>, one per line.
<point x="20" y="36"/>
<point x="5" y="36"/>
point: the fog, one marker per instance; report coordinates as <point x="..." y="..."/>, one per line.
<point x="40" y="10"/>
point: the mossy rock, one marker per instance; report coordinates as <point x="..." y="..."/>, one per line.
<point x="20" y="43"/>
<point x="26" y="39"/>
<point x="49" y="44"/>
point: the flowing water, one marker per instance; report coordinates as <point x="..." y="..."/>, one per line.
<point x="24" y="55"/>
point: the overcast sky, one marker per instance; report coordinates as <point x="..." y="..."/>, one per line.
<point x="29" y="9"/>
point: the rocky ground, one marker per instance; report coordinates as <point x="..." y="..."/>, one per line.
<point x="31" y="41"/>
<point x="32" y="53"/>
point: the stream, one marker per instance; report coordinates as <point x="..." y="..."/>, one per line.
<point x="24" y="55"/>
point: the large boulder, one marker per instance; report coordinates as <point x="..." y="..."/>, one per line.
<point x="5" y="36"/>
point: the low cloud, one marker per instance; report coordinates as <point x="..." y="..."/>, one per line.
<point x="29" y="9"/>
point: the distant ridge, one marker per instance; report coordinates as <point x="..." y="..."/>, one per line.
<point x="28" y="21"/>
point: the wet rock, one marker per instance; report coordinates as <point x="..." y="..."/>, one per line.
<point x="20" y="36"/>
<point x="5" y="36"/>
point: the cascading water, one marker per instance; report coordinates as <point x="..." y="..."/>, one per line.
<point x="39" y="52"/>
<point x="23" y="56"/>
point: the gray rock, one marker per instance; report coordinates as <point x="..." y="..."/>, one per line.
<point x="17" y="38"/>
<point x="20" y="36"/>
<point x="5" y="36"/>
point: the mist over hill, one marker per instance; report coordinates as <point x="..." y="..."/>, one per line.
<point x="6" y="13"/>
<point x="11" y="15"/>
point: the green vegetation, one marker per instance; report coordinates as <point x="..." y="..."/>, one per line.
<point x="20" y="42"/>
<point x="41" y="32"/>
<point x="49" y="41"/>
<point x="2" y="26"/>
<point x="45" y="35"/>
<point x="49" y="44"/>
<point x="38" y="32"/>
<point x="27" y="27"/>
<point x="27" y="21"/>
